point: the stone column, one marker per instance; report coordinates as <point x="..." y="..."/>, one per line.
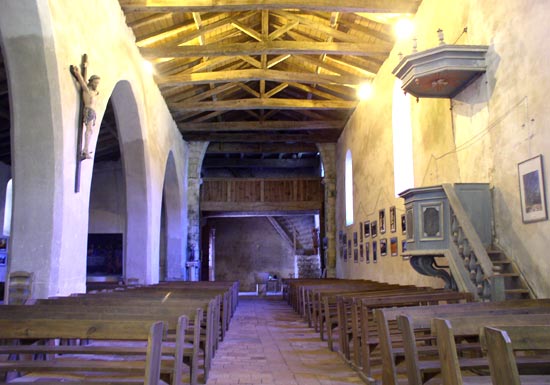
<point x="196" y="155"/>
<point x="328" y="156"/>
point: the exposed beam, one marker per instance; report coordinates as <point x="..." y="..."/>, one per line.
<point x="268" y="48"/>
<point x="329" y="30"/>
<point x="282" y="30"/>
<point x="330" y="136"/>
<point x="259" y="148"/>
<point x="250" y="60"/>
<point x="257" y="74"/>
<point x="247" y="31"/>
<point x="268" y="104"/>
<point x="260" y="206"/>
<point x="276" y="90"/>
<point x="264" y="163"/>
<point x="369" y="6"/>
<point x="260" y="126"/>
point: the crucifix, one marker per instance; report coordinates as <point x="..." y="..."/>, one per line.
<point x="87" y="115"/>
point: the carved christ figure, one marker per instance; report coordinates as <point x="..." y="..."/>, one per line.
<point x="89" y="97"/>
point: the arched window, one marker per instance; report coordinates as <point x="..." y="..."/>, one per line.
<point x="7" y="209"/>
<point x="403" y="169"/>
<point x="349" y="189"/>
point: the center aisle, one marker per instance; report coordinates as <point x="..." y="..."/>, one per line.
<point x="268" y="343"/>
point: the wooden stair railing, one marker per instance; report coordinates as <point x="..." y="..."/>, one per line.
<point x="490" y="276"/>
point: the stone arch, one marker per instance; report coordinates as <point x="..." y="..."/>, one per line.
<point x="37" y="220"/>
<point x="173" y="214"/>
<point x="138" y="258"/>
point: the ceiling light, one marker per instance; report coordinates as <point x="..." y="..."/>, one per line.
<point x="404" y="28"/>
<point x="364" y="91"/>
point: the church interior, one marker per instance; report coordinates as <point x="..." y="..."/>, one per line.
<point x="270" y="165"/>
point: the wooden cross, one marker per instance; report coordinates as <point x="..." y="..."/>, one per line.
<point x="83" y="71"/>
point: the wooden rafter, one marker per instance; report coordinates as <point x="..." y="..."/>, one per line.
<point x="261" y="126"/>
<point x="244" y="104"/>
<point x="255" y="74"/>
<point x="268" y="48"/>
<point x="367" y="6"/>
<point x="256" y="148"/>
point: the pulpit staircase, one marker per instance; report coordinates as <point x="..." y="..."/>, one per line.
<point x="475" y="265"/>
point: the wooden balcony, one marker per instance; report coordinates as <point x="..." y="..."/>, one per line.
<point x="261" y="195"/>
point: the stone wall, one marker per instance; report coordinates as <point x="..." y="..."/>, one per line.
<point x="479" y="136"/>
<point x="107" y="200"/>
<point x="40" y="40"/>
<point x="248" y="250"/>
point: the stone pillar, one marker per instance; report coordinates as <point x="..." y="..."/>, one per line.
<point x="328" y="156"/>
<point x="196" y="155"/>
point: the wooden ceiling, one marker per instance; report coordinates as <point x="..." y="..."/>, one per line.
<point x="263" y="71"/>
<point x="267" y="77"/>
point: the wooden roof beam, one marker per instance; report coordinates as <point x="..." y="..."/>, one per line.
<point x="368" y="6"/>
<point x="259" y="148"/>
<point x="290" y="125"/>
<point x="268" y="104"/>
<point x="268" y="48"/>
<point x="328" y="136"/>
<point x="257" y="74"/>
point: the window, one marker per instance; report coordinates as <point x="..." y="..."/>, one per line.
<point x="7" y="209"/>
<point x="403" y="169"/>
<point x="349" y="189"/>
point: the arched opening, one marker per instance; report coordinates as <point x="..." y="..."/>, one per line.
<point x="349" y="188"/>
<point x="107" y="209"/>
<point x="171" y="238"/>
<point x="139" y="262"/>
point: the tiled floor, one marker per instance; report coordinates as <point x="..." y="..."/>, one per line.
<point x="268" y="343"/>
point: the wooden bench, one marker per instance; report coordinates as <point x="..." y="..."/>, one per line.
<point x="501" y="345"/>
<point x="449" y="328"/>
<point x="201" y="313"/>
<point x="415" y="321"/>
<point x="147" y="367"/>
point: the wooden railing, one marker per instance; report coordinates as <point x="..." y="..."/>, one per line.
<point x="266" y="194"/>
<point x="470" y="264"/>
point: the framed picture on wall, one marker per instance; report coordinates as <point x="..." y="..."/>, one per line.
<point x="393" y="246"/>
<point x="531" y="189"/>
<point x="3" y="250"/>
<point x="393" y="224"/>
<point x="360" y="232"/>
<point x="361" y="252"/>
<point x="367" y="252"/>
<point x="403" y="224"/>
<point x="373" y="228"/>
<point x="403" y="246"/>
<point x="355" y="255"/>
<point x="374" y="252"/>
<point x="382" y="220"/>
<point x="355" y="239"/>
<point x="366" y="229"/>
<point x="383" y="247"/>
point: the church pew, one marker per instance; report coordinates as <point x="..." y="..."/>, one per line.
<point x="448" y="329"/>
<point x="171" y="307"/>
<point x="147" y="368"/>
<point x="338" y="317"/>
<point x="370" y="343"/>
<point x="224" y="296"/>
<point x="166" y="313"/>
<point x="349" y="313"/>
<point x="501" y="345"/>
<point x="415" y="321"/>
